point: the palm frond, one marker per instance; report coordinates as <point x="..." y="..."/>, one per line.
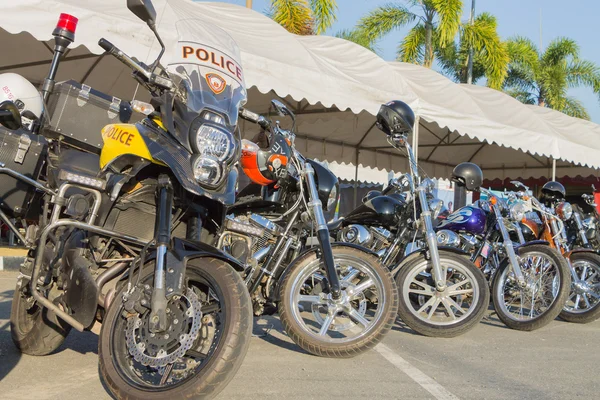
<point x="575" y="108"/>
<point x="384" y="19"/>
<point x="293" y="15"/>
<point x="559" y="50"/>
<point x="323" y="14"/>
<point x="523" y="96"/>
<point x="583" y="73"/>
<point x="411" y="49"/>
<point x="449" y="13"/>
<point x="522" y="50"/>
<point x="358" y="37"/>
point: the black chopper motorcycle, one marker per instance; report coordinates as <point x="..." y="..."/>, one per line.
<point x="122" y="236"/>
<point x="334" y="300"/>
<point x="441" y="292"/>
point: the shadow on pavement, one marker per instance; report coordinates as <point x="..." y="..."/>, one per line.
<point x="268" y="328"/>
<point x="9" y="355"/>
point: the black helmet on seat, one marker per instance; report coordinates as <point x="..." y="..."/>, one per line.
<point x="395" y="117"/>
<point x="468" y="175"/>
<point x="553" y="190"/>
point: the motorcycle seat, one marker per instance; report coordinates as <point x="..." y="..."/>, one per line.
<point x="335" y="225"/>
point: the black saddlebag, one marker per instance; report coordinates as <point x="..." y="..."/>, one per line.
<point x="23" y="152"/>
<point x="77" y="114"/>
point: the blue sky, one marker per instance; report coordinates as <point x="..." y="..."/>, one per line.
<point x="579" y="21"/>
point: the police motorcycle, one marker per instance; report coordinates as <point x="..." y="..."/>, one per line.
<point x="122" y="237"/>
<point x="561" y="224"/>
<point x="442" y="293"/>
<point x="529" y="279"/>
<point x="333" y="299"/>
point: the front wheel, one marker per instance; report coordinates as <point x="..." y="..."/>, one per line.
<point x="540" y="300"/>
<point x="448" y="313"/>
<point x="583" y="303"/>
<point x="208" y="334"/>
<point x="344" y="327"/>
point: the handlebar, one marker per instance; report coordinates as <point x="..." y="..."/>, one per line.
<point x="254" y="118"/>
<point x="124" y="58"/>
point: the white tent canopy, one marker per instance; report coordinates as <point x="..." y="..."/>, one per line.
<point x="335" y="86"/>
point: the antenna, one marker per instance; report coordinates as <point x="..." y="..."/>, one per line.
<point x="541" y="41"/>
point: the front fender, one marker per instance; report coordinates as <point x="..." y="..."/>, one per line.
<point x="532" y="243"/>
<point x="580" y="250"/>
<point x="423" y="252"/>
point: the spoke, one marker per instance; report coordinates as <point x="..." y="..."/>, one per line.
<point x="355" y="315"/>
<point x="464" y="291"/>
<point x="457" y="285"/>
<point x="448" y="308"/>
<point x="587" y="302"/>
<point x="433" y="308"/>
<point x="358" y="289"/>
<point x="166" y="374"/>
<point x="577" y="300"/>
<point x="326" y="323"/>
<point x="584" y="272"/>
<point x="422" y="284"/>
<point x="310" y="299"/>
<point x="427" y="304"/>
<point x="595" y="286"/>
<point x="456" y="305"/>
<point x="351" y="275"/>
<point x="594" y="295"/>
<point x="589" y="278"/>
<point x="419" y="291"/>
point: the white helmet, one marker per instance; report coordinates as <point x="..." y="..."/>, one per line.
<point x="20" y="91"/>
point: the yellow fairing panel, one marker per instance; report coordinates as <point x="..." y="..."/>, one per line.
<point x="121" y="139"/>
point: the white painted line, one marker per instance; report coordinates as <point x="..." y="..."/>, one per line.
<point x="436" y="390"/>
<point x="1" y="263"/>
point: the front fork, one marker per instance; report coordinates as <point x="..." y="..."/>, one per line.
<point x="432" y="244"/>
<point x="581" y="230"/>
<point x="322" y="233"/>
<point x="508" y="247"/>
<point x="162" y="237"/>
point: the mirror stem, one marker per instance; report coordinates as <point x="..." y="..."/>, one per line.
<point x="162" y="47"/>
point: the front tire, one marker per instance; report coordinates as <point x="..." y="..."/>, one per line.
<point x="34" y="329"/>
<point x="583" y="302"/>
<point x="350" y="326"/>
<point x="212" y="360"/>
<point x="447" y="314"/>
<point x="547" y="287"/>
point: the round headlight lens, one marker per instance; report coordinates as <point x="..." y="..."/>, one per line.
<point x="332" y="200"/>
<point x="207" y="170"/>
<point x="214" y="142"/>
<point x="564" y="210"/>
<point x="517" y="211"/>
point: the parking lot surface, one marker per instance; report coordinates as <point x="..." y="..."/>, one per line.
<point x="560" y="361"/>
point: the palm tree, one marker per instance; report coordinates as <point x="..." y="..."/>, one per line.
<point x="354" y="35"/>
<point x="490" y="53"/>
<point x="436" y="23"/>
<point x="304" y="17"/>
<point x="543" y="78"/>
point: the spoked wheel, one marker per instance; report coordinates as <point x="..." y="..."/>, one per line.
<point x="344" y="327"/>
<point x="583" y="303"/>
<point x="547" y="283"/>
<point x="450" y="313"/>
<point x="208" y="333"/>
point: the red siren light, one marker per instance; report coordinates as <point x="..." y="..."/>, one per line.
<point x="65" y="27"/>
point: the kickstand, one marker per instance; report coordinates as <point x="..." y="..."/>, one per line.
<point x="266" y="332"/>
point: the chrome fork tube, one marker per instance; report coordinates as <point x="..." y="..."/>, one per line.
<point x="432" y="244"/>
<point x="508" y="246"/>
<point x="580" y="229"/>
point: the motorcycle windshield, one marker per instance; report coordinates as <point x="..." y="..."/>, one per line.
<point x="207" y="65"/>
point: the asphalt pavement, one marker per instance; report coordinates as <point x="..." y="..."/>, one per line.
<point x="560" y="361"/>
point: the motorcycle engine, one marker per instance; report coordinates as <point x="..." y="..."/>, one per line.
<point x="248" y="237"/>
<point x="373" y="238"/>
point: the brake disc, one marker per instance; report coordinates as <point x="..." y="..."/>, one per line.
<point x="160" y="349"/>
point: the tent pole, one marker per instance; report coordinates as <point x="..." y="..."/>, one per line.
<point x="415" y="143"/>
<point x="553" y="169"/>
<point x="356" y="178"/>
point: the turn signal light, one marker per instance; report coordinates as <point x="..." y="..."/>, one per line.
<point x="493" y="200"/>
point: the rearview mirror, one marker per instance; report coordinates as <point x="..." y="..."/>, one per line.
<point x="143" y="9"/>
<point x="10" y="117"/>
<point x="281" y="108"/>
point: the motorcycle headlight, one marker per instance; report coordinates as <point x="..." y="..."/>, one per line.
<point x="332" y="199"/>
<point x="517" y="211"/>
<point x="214" y="142"/>
<point x="564" y="210"/>
<point x="207" y="170"/>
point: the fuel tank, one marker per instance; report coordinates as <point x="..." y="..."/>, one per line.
<point x="466" y="219"/>
<point x="379" y="210"/>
